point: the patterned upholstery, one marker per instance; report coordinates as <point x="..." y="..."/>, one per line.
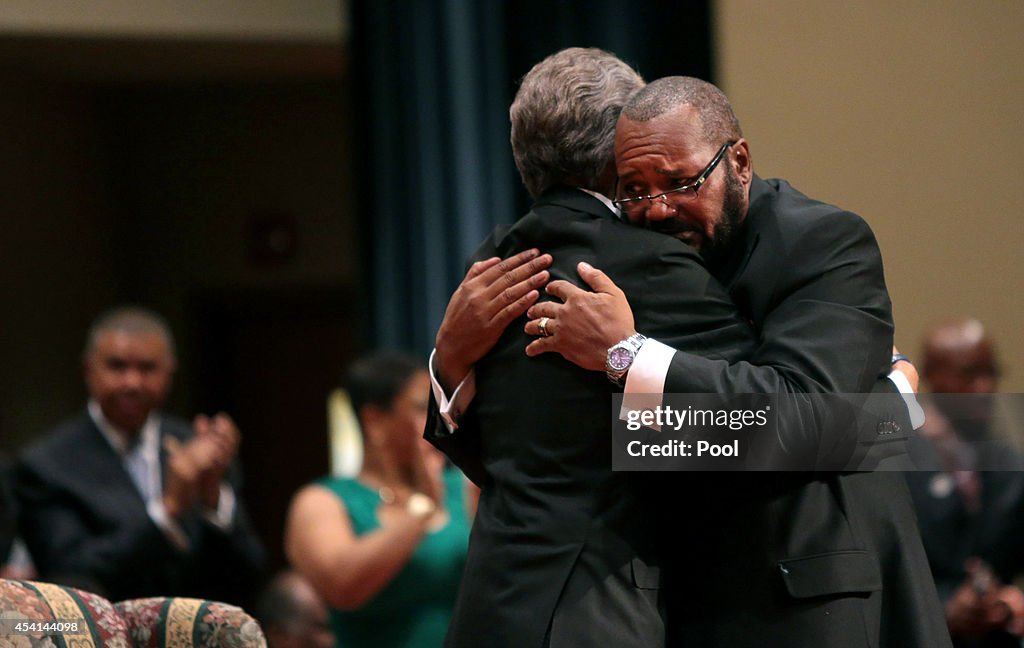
<point x="99" y="624"/>
<point x="188" y="623"/>
<point x="139" y="623"/>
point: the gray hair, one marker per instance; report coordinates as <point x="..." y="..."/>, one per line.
<point x="128" y="319"/>
<point x="718" y="121"/>
<point x="564" y="114"/>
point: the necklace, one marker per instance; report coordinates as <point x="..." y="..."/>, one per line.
<point x="386" y="494"/>
<point x="438" y="518"/>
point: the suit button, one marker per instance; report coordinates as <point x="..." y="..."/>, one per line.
<point x="888" y="427"/>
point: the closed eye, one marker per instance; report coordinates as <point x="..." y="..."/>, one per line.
<point x="676" y="183"/>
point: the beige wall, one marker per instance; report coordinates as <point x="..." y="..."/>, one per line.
<point x="910" y="114"/>
<point x="316" y="20"/>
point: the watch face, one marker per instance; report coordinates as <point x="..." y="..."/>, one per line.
<point x="619" y="358"/>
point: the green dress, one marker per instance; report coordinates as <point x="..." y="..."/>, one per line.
<point x="412" y="611"/>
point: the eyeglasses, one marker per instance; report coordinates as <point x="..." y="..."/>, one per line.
<point x="687" y="191"/>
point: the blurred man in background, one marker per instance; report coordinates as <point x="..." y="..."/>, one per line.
<point x="969" y="494"/>
<point x="292" y="615"/>
<point x="126" y="501"/>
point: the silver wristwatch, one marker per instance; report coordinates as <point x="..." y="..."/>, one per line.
<point x="620" y="358"/>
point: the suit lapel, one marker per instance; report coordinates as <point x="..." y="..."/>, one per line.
<point x="102" y="469"/>
<point x="732" y="276"/>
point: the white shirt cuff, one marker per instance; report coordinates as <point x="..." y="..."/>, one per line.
<point x="645" y="382"/>
<point x="167" y="524"/>
<point x="916" y="413"/>
<point x="451" y="409"/>
<point x="224" y="516"/>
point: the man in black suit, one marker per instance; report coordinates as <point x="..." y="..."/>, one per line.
<point x="126" y="501"/>
<point x="829" y="558"/>
<point x="561" y="552"/>
<point x="759" y="560"/>
<point x="968" y="489"/>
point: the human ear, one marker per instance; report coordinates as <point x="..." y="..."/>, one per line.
<point x="742" y="164"/>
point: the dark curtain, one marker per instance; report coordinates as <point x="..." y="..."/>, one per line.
<point x="433" y="81"/>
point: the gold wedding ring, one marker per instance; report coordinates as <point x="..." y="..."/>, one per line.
<point x="542" y="326"/>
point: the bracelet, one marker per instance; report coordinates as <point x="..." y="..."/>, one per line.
<point x="420" y="506"/>
<point x="899" y="357"/>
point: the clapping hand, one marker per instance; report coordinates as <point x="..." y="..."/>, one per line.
<point x="195" y="469"/>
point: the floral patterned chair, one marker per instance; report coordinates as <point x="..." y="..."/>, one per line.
<point x="83" y="620"/>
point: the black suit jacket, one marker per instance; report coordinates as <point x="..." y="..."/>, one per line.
<point x="85" y="524"/>
<point x="809" y="277"/>
<point x="562" y="546"/>
<point x="799" y="559"/>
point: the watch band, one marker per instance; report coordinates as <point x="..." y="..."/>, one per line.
<point x="620" y="358"/>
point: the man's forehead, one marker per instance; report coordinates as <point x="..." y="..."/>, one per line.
<point x="672" y="140"/>
<point x="671" y="159"/>
<point x="964" y="357"/>
<point x="668" y="171"/>
<point x="684" y="120"/>
<point x="132" y="342"/>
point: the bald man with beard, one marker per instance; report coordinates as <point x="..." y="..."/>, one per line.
<point x="970" y="507"/>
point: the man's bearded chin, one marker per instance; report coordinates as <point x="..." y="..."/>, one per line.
<point x="724" y="233"/>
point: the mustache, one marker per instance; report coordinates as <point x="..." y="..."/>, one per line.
<point x="672" y="226"/>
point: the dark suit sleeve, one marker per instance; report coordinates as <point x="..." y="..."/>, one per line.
<point x="828" y="330"/>
<point x="233" y="561"/>
<point x="673" y="296"/>
<point x="462" y="446"/>
<point x="56" y="530"/>
<point x="226" y="564"/>
<point x="676" y="300"/>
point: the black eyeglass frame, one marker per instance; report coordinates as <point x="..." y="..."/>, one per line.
<point x="625" y="203"/>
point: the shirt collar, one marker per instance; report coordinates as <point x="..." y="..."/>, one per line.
<point x="604" y="200"/>
<point x="149" y="436"/>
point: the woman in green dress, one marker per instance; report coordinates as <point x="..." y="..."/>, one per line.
<point x="386" y="549"/>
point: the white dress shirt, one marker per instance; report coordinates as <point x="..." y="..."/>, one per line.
<point x="141" y="460"/>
